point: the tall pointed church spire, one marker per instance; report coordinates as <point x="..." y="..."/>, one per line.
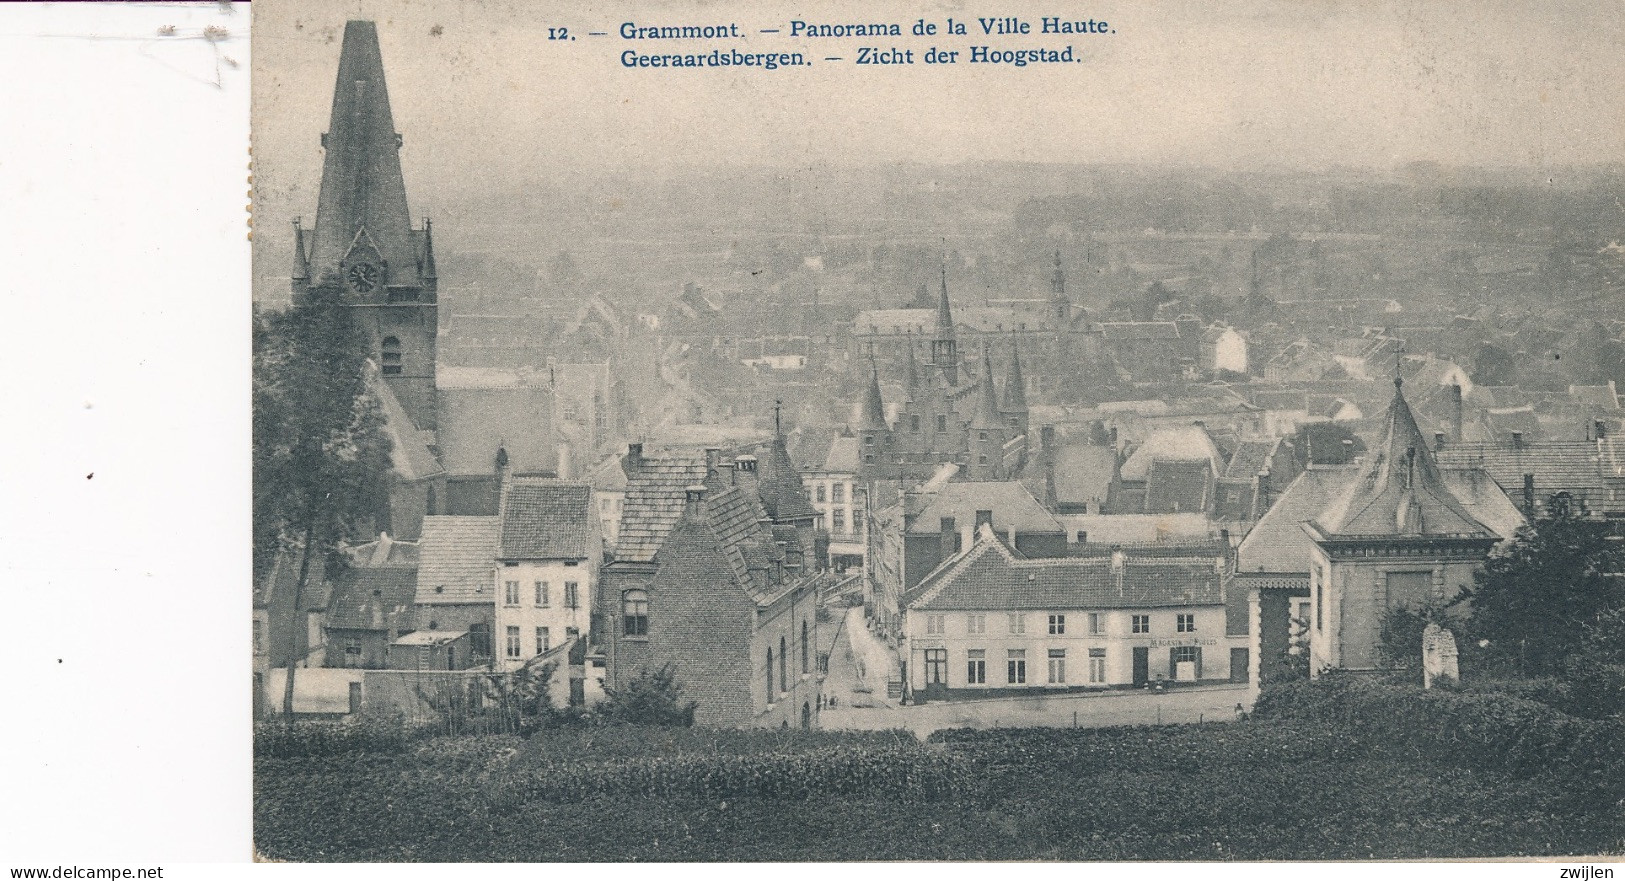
<point x="428" y="271"/>
<point x="873" y="416"/>
<point x="1015" y="390"/>
<point x="911" y="369"/>
<point x="944" y="347"/>
<point x="363" y="231"/>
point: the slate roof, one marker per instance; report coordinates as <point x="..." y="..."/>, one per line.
<point x="1280" y="399"/>
<point x="780" y="486"/>
<point x="456" y="559"/>
<point x="373" y="598"/>
<point x="1399" y="490"/>
<point x="1277" y="543"/>
<point x="1573" y="466"/>
<point x="1013" y="507"/>
<point x="1174" y="487"/>
<point x="989" y="576"/>
<point x="548" y="520"/>
<point x="1186" y="442"/>
<point x="654" y="502"/>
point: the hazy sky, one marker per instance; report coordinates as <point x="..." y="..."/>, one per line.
<point x="482" y="97"/>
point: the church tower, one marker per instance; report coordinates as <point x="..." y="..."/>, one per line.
<point x="1060" y="305"/>
<point x="363" y="239"/>
<point x="944" y="347"/>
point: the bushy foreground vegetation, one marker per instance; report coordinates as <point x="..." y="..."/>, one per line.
<point x="1337" y="771"/>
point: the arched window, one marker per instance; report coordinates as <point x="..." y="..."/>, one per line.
<point x="635" y="613"/>
<point x="805" y="661"/>
<point x="392" y="356"/>
<point x="784" y="671"/>
<point x="770" y="674"/>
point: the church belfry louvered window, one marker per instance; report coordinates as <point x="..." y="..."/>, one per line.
<point x="392" y="356"/>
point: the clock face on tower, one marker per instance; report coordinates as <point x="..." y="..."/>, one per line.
<point x="363" y="277"/>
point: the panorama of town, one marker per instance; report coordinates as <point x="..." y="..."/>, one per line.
<point x="1206" y="457"/>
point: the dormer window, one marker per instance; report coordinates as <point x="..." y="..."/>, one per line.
<point x="391" y="356"/>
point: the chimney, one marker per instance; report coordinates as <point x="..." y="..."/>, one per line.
<point x="984" y="516"/>
<point x="779" y="561"/>
<point x="1529" y="495"/>
<point x="950" y="538"/>
<point x="634" y="458"/>
<point x="1047" y="435"/>
<point x="1517" y="440"/>
<point x="695" y="498"/>
<point x="1455" y="413"/>
<point x="1117" y="558"/>
<point x="713" y="455"/>
<point x="1601" y="429"/>
<point x="1438" y="441"/>
<point x="745" y="464"/>
<point x="1264" y="491"/>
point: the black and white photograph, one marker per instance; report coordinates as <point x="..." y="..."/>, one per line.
<point x="711" y="433"/>
<point x="922" y="432"/>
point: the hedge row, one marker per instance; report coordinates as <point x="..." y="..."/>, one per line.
<point x="1470" y="729"/>
<point x="282" y="740"/>
<point x="912" y="774"/>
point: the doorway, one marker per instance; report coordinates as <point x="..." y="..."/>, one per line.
<point x="1142" y="666"/>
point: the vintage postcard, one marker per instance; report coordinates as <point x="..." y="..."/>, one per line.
<point x="728" y="432"/>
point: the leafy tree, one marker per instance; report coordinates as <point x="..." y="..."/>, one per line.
<point x="1535" y="600"/>
<point x="653" y="697"/>
<point x="1594" y="675"/>
<point x="321" y="458"/>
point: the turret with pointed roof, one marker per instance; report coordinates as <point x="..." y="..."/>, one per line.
<point x="987" y="402"/>
<point x="1396" y="537"/>
<point x="1400" y="491"/>
<point x="873" y="415"/>
<point x="1015" y="394"/>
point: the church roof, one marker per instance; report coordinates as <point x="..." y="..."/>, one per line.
<point x="1399" y="490"/>
<point x="409" y="456"/>
<point x="363" y="195"/>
